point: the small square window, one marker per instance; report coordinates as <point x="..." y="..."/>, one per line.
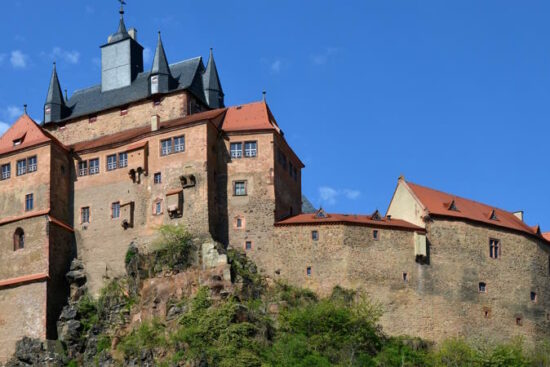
<point x="124" y="111"/>
<point x="85" y="214"/>
<point x="315" y="235"/>
<point x="122" y="160"/>
<point x="486" y="312"/>
<point x="239" y="188"/>
<point x="534" y="297"/>
<point x="29" y="202"/>
<point x="115" y="210"/>
<point x="405" y="277"/>
<point x="248" y="245"/>
<point x="482" y="287"/>
<point x="157" y="178"/>
<point x="236" y="150"/>
<point x="375" y="234"/>
<point x="308" y="271"/>
<point x="111" y="162"/>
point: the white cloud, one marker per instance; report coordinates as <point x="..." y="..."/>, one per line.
<point x="323" y="58"/>
<point x="18" y="59"/>
<point x="13" y="111"/>
<point x="3" y="127"/>
<point x="147" y="55"/>
<point x="329" y="195"/>
<point x="71" y="57"/>
<point x="276" y="66"/>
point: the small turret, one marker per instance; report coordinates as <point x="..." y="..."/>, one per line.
<point x="55" y="108"/>
<point x="212" y="86"/>
<point x="160" y="78"/>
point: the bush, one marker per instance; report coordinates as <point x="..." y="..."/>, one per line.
<point x="173" y="249"/>
<point x="148" y="336"/>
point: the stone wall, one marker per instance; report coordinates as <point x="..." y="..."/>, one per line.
<point x="288" y="191"/>
<point x="22" y="313"/>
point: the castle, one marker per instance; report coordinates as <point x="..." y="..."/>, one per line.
<point x="113" y="162"/>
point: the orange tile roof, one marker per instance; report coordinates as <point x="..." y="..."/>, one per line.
<point x="438" y="203"/>
<point x="137" y="133"/>
<point x="546" y="236"/>
<point x="249" y="117"/>
<point x="349" y="219"/>
<point x="27" y="130"/>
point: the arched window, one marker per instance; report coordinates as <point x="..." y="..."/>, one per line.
<point x="18" y="239"/>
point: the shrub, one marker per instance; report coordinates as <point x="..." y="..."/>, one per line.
<point x="148" y="336"/>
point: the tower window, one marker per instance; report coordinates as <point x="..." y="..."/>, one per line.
<point x="534" y="297"/>
<point x="236" y="150"/>
<point x="122" y="160"/>
<point x="93" y="166"/>
<point x="308" y="271"/>
<point x="115" y="210"/>
<point x="6" y="171"/>
<point x="157" y="178"/>
<point x="239" y="188"/>
<point x="482" y="287"/>
<point x="111" y="162"/>
<point x="519" y="321"/>
<point x="375" y="234"/>
<point x="83" y="168"/>
<point x="18" y="239"/>
<point x="405" y="277"/>
<point x="248" y="245"/>
<point x="315" y="235"/>
<point x="250" y="149"/>
<point x="32" y="164"/>
<point x="157" y="207"/>
<point x="21" y="167"/>
<point x="494" y="248"/>
<point x="179" y="144"/>
<point x="29" y="202"/>
<point x="85" y="215"/>
<point x="239" y="223"/>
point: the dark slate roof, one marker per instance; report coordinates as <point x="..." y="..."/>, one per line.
<point x="211" y="77"/>
<point x="121" y="33"/>
<point x="307" y="206"/>
<point x="160" y="63"/>
<point x="187" y="75"/>
<point x="54" y="92"/>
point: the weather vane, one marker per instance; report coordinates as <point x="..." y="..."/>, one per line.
<point x="122" y="3"/>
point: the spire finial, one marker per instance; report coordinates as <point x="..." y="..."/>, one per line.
<point x="25" y="108"/>
<point x="121" y="11"/>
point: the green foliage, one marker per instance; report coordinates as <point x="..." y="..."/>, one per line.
<point x="131" y="253"/>
<point x="172" y="250"/>
<point x="148" y="336"/>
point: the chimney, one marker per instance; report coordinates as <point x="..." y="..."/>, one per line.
<point x="519" y="214"/>
<point x="155" y="122"/>
<point x="133" y="33"/>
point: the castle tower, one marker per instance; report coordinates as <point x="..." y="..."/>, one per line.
<point x="160" y="78"/>
<point x="121" y="58"/>
<point x="212" y="86"/>
<point x="55" y="108"/>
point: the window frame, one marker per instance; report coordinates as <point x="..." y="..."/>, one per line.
<point x="111" y="166"/>
<point x="182" y="145"/>
<point x="155" y="175"/>
<point x="115" y="208"/>
<point x="254" y="150"/>
<point x="88" y="211"/>
<point x="18" y="239"/>
<point x="376" y="234"/>
<point x="122" y="162"/>
<point x="245" y="188"/>
<point x="24" y="171"/>
<point x="5" y="175"/>
<point x="482" y="287"/>
<point x="495" y="243"/>
<point x="29" y="202"/>
<point x="315" y="235"/>
<point x="32" y="167"/>
<point x="246" y="245"/>
<point x="164" y="153"/>
<point x="96" y="169"/>
<point x="82" y="171"/>
<point x="238" y="152"/>
<point x="309" y="271"/>
<point x="157" y="204"/>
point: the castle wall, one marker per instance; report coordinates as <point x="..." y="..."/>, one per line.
<point x="112" y="121"/>
<point x="257" y="208"/>
<point x="22" y="313"/>
<point x="61" y="196"/>
<point x="14" y="189"/>
<point x="288" y="190"/>
<point x="405" y="206"/>
<point x="102" y="243"/>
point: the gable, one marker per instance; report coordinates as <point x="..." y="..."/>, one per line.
<point x="22" y="134"/>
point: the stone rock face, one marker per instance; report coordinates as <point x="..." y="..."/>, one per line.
<point x="33" y="352"/>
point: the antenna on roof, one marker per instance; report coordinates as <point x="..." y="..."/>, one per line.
<point x="263" y="95"/>
<point x="25" y="108"/>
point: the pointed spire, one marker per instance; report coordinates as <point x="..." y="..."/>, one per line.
<point x="212" y="86"/>
<point x="121" y="32"/>
<point x="160" y="63"/>
<point x="54" y="92"/>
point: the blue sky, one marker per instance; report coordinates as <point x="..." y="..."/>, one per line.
<point x="452" y="94"/>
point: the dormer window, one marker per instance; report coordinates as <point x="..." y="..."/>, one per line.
<point x="17" y="142"/>
<point x="453" y="207"/>
<point x="493" y="215"/>
<point x="321" y="214"/>
<point x="376" y="216"/>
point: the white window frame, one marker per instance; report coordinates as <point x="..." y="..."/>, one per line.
<point x="180" y="145"/>
<point x="6" y="173"/>
<point x="236" y="153"/>
<point x="122" y="159"/>
<point x="111" y="165"/>
<point x="32" y="167"/>
<point x="250" y="149"/>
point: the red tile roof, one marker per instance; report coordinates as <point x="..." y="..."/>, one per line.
<point x="438" y="203"/>
<point x="27" y="130"/>
<point x="349" y="219"/>
<point x="546" y="236"/>
<point x="249" y="117"/>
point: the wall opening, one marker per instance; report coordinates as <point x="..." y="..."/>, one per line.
<point x="18" y="239"/>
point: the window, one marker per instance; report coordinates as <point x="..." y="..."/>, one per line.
<point x="115" y="210"/>
<point x="486" y="312"/>
<point x="236" y="150"/>
<point x="375" y="234"/>
<point x="21" y="167"/>
<point x="308" y="271"/>
<point x="157" y="178"/>
<point x="122" y="160"/>
<point x="248" y="245"/>
<point x="179" y="144"/>
<point x="85" y="214"/>
<point x="6" y="171"/>
<point x="482" y="287"/>
<point x="29" y="202"/>
<point x="157" y="208"/>
<point x="315" y="235"/>
<point x="32" y="164"/>
<point x="111" y="162"/>
<point x="17" y="142"/>
<point x="240" y="188"/>
<point x="250" y="149"/>
<point x="239" y="223"/>
<point x="519" y="321"/>
<point x="494" y="248"/>
<point x="94" y="166"/>
<point x="405" y="277"/>
<point x="165" y="146"/>
<point x="82" y="168"/>
<point x="156" y="101"/>
<point x="534" y="297"/>
<point x="18" y="239"/>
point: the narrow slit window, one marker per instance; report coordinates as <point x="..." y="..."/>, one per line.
<point x="308" y="271"/>
<point x="494" y="248"/>
<point x="18" y="239"/>
<point x="375" y="234"/>
<point x="157" y="178"/>
<point x="482" y="287"/>
<point x="239" y="223"/>
<point x="405" y="277"/>
<point x="85" y="215"/>
<point x="533" y="297"/>
<point x="315" y="235"/>
<point x="29" y="202"/>
<point x="248" y="245"/>
<point x="115" y="210"/>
